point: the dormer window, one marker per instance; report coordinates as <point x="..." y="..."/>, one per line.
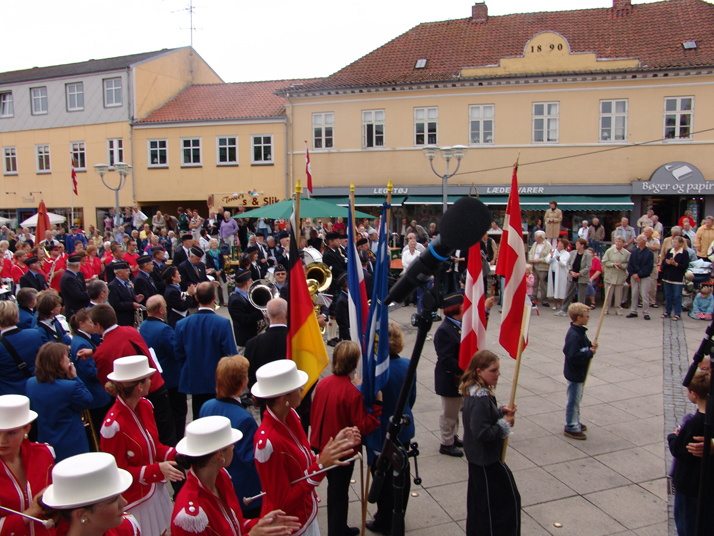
<point x="420" y="64"/>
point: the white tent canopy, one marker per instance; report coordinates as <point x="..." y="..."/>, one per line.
<point x="55" y="219"/>
<point x="4" y="221"/>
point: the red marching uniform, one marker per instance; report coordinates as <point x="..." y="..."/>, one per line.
<point x="131" y="437"/>
<point x="197" y="511"/>
<point x="17" y="271"/>
<point x="38" y="460"/>
<point x="337" y="404"/>
<point x="6" y="272"/>
<point x="60" y="264"/>
<point x="128" y="527"/>
<point x="282" y="454"/>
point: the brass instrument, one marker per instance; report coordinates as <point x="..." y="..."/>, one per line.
<point x="139" y="316"/>
<point x="260" y="293"/>
<point x="319" y="279"/>
<point x="87" y="423"/>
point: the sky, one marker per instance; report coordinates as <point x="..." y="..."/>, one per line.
<point x="241" y="40"/>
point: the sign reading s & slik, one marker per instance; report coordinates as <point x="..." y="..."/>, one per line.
<point x="251" y="199"/>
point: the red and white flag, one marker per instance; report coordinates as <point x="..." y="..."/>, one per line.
<point x="308" y="170"/>
<point x="512" y="265"/>
<point x="74" y="175"/>
<point x="473" y="323"/>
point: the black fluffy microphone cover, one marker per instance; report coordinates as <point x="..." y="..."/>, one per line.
<point x="464" y="223"/>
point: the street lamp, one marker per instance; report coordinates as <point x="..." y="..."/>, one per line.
<point x="447" y="153"/>
<point x="123" y="170"/>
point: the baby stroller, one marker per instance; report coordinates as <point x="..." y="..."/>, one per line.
<point x="702" y="271"/>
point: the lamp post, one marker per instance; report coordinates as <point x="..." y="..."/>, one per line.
<point x="123" y="170"/>
<point x="447" y="153"/>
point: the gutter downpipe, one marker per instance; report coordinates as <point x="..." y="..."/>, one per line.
<point x="131" y="132"/>
<point x="288" y="182"/>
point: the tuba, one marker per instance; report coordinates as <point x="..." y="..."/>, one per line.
<point x="260" y="293"/>
<point x="320" y="273"/>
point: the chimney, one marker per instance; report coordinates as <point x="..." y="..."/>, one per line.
<point x="622" y="6"/>
<point x="479" y="12"/>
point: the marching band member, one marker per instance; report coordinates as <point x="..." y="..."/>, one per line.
<point x="26" y="301"/>
<point x="86" y="496"/>
<point x="334" y="259"/>
<point x="19" y="268"/>
<point x="177" y="302"/>
<point x="17" y="352"/>
<point x="49" y="306"/>
<point x="207" y="504"/>
<point x="129" y="433"/>
<point x="245" y="317"/>
<point x="24" y="468"/>
<point x="34" y="278"/>
<point x="282" y="451"/>
<point x="73" y="288"/>
<point x="158" y="255"/>
<point x="121" y="294"/>
<point x="143" y="282"/>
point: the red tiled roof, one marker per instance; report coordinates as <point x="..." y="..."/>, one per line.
<point x="653" y="33"/>
<point x="244" y="100"/>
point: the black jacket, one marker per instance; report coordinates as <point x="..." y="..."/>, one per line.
<point x="122" y="300"/>
<point x="156" y="276"/>
<point x="641" y="262"/>
<point x="577" y="354"/>
<point x="368" y="283"/>
<point x="266" y="348"/>
<point x="144" y="284"/>
<point x="245" y="318"/>
<point x="189" y="276"/>
<point x="342" y="315"/>
<point x="74" y="292"/>
<point x="30" y="280"/>
<point x="336" y="263"/>
<point x="447" y="374"/>
<point x="179" y="256"/>
<point x="174" y="305"/>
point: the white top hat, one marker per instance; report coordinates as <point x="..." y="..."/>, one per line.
<point x="15" y="412"/>
<point x="130" y="369"/>
<point x="278" y="378"/>
<point x="85" y="479"/>
<point x="207" y="435"/>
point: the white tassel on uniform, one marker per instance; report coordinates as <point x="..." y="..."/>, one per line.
<point x="192" y="523"/>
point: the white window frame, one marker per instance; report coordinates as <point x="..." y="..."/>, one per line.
<point x="481" y="119"/>
<point x="77" y="94"/>
<point x="546" y="117"/>
<point x="320" y="121"/>
<point x="79" y="149"/>
<point x="158" y="150"/>
<point x="191" y="147"/>
<point x="255" y="162"/>
<point x="227" y="146"/>
<point x="113" y="89"/>
<point x="613" y="116"/>
<point x="426" y="121"/>
<point x="114" y="152"/>
<point x="42" y="153"/>
<point x="9" y="154"/>
<point x="37" y="96"/>
<point x="7" y="106"/>
<point x="678" y="113"/>
<point x="369" y="119"/>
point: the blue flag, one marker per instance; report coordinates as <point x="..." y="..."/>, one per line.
<point x="375" y="362"/>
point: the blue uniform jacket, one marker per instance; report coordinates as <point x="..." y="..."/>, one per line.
<point x="59" y="336"/>
<point x="26" y="343"/>
<point x="59" y="405"/>
<point x="87" y="371"/>
<point x="201" y="341"/>
<point x="242" y="469"/>
<point x="28" y="319"/>
<point x="161" y="337"/>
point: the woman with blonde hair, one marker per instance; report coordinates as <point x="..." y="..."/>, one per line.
<point x="231" y="381"/>
<point x="493" y="501"/>
<point x="59" y="396"/>
<point x="129" y="433"/>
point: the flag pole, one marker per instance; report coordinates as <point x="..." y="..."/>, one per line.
<point x="521" y="344"/>
<point x="297" y="232"/>
<point x="599" y="326"/>
<point x="389" y="210"/>
<point x="352" y="207"/>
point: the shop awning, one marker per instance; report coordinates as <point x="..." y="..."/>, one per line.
<point x="363" y="200"/>
<point x="437" y="199"/>
<point x="578" y="202"/>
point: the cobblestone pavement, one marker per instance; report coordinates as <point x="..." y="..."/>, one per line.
<point x="613" y="483"/>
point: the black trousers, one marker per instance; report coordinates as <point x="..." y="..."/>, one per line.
<point x="163" y="416"/>
<point x="197" y="401"/>
<point x="338" y="500"/>
<point x="179" y="409"/>
<point x="385" y="502"/>
<point x="493" y="501"/>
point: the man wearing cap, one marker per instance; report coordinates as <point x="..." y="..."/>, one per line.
<point x="245" y="317"/>
<point x="117" y="256"/>
<point x="181" y="253"/>
<point x="72" y="238"/>
<point x="272" y="250"/>
<point x="447" y="342"/>
<point x="192" y="270"/>
<point x="121" y="295"/>
<point x="201" y="341"/>
<point x="161" y="337"/>
<point x="158" y="255"/>
<point x="334" y="259"/>
<point x="283" y="256"/>
<point x="255" y="269"/>
<point x="373" y="240"/>
<point x="73" y="288"/>
<point x="143" y="282"/>
<point x="34" y="278"/>
<point x="281" y="281"/>
<point x="121" y="341"/>
<point x="262" y="254"/>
